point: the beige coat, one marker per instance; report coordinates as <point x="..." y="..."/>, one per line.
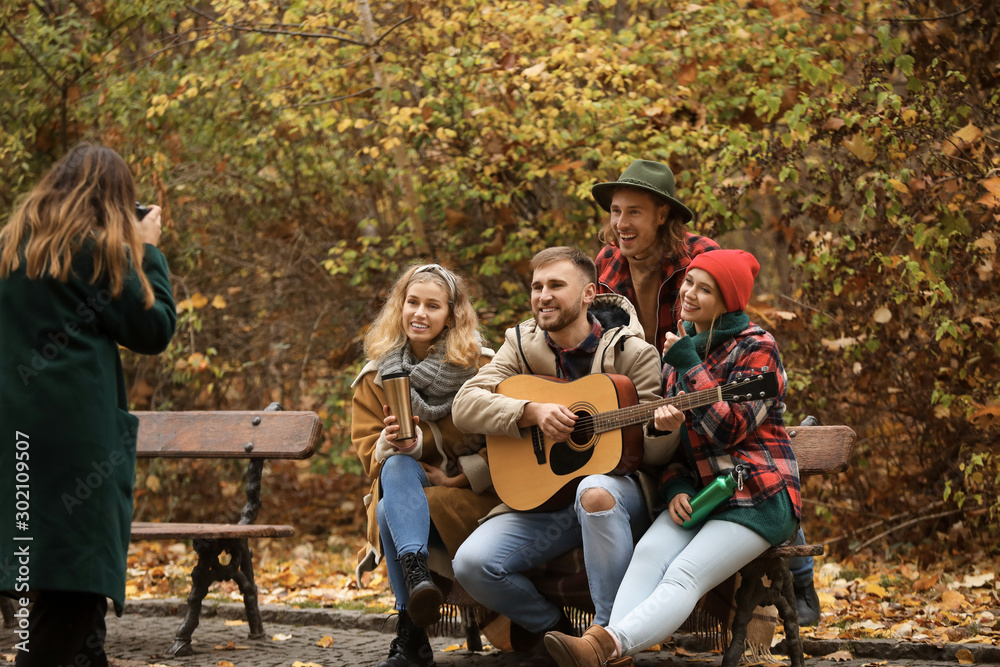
<point x="622" y="350"/>
<point x="455" y="512"/>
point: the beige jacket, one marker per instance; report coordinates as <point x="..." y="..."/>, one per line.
<point x="455" y="512"/>
<point x="622" y="350"/>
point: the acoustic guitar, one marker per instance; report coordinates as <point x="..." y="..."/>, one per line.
<point x="536" y="473"/>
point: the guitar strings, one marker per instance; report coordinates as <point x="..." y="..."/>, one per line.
<point x="683" y="402"/>
<point x="633" y="414"/>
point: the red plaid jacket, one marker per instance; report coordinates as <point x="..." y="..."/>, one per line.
<point x="724" y="434"/>
<point x="613" y="277"/>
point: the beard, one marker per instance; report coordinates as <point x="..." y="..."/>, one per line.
<point x="566" y="316"/>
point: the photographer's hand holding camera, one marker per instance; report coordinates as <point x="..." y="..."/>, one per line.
<point x="150" y="226"/>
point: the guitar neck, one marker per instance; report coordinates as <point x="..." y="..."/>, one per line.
<point x="639" y="414"/>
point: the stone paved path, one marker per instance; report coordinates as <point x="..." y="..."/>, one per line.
<point x="139" y="639"/>
<point x="142" y="637"/>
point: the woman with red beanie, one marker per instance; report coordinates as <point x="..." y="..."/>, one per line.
<point x="673" y="565"/>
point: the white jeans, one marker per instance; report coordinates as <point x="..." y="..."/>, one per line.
<point x="671" y="570"/>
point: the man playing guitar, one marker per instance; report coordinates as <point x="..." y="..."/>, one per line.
<point x="574" y="333"/>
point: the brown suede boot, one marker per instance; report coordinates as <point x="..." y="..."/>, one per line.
<point x="593" y="649"/>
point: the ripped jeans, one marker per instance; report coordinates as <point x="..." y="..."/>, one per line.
<point x="492" y="561"/>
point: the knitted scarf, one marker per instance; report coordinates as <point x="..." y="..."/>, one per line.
<point x="726" y="327"/>
<point x="693" y="349"/>
<point x="433" y="381"/>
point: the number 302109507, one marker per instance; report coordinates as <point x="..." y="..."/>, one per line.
<point x="22" y="479"/>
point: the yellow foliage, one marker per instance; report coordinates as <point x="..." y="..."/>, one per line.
<point x="860" y="148"/>
<point x="875" y="589"/>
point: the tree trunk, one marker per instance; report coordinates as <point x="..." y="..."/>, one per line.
<point x="404" y="175"/>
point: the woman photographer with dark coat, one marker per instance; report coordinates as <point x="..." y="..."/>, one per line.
<point x="79" y="276"/>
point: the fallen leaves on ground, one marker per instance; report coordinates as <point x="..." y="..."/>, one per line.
<point x="861" y="598"/>
<point x="839" y="656"/>
<point x="885" y="603"/>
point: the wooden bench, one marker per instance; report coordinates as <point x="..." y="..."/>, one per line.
<point x="257" y="436"/>
<point x="818" y="450"/>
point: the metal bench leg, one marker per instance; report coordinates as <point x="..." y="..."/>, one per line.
<point x="201" y="578"/>
<point x="473" y="641"/>
<point x="746" y="601"/>
<point x="208" y="571"/>
<point x="248" y="587"/>
<point x="753" y="593"/>
<point x="785" y="602"/>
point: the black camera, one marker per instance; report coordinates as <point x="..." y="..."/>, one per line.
<point x="141" y="211"/>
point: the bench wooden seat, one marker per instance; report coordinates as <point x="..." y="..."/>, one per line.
<point x="818" y="450"/>
<point x="255" y="435"/>
<point x="793" y="551"/>
<point x="142" y="530"/>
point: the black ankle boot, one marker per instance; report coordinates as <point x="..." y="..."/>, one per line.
<point x="807" y="604"/>
<point x="410" y="647"/>
<point x="424" y="606"/>
<point x="530" y="643"/>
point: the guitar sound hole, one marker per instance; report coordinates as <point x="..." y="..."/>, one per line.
<point x="584" y="432"/>
<point x="567" y="457"/>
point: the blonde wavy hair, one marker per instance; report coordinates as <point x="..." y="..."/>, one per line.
<point x="89" y="195"/>
<point x="462" y="346"/>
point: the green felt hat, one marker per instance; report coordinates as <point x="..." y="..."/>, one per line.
<point x="653" y="177"/>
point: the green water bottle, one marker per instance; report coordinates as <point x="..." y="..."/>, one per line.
<point x="720" y="490"/>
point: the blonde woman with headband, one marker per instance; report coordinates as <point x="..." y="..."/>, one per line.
<point x="428" y="491"/>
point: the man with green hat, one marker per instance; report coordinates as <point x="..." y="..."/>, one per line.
<point x="648" y="245"/>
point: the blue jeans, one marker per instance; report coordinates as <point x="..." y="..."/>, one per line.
<point x="491" y="563"/>
<point x="801" y="567"/>
<point x="404" y="518"/>
<point x="672" y="568"/>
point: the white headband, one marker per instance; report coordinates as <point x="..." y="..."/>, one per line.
<point x="449" y="278"/>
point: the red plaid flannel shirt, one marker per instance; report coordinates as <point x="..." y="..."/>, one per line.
<point x="613" y="277"/>
<point x="724" y="434"/>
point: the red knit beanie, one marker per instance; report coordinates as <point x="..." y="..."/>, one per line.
<point x="733" y="270"/>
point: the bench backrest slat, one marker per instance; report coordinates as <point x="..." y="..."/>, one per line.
<point x="822" y="449"/>
<point x="275" y="434"/>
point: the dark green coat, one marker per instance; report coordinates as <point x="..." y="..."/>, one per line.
<point x="65" y="427"/>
